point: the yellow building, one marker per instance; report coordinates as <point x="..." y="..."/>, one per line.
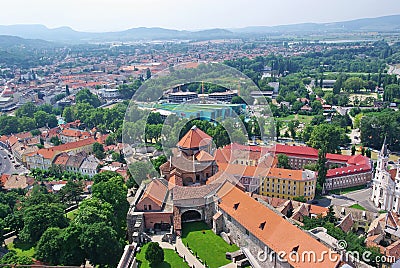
<point x="287" y="183"/>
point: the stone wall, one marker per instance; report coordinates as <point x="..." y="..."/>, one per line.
<point x="244" y="239"/>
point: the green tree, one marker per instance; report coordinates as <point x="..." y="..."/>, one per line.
<point x="101" y="244"/>
<point x="38" y="218"/>
<point x="68" y="114"/>
<point x="322" y="138"/>
<point x="114" y="192"/>
<point x="71" y="192"/>
<point x="55" y="140"/>
<point x="154" y="254"/>
<point x="353" y="150"/>
<point x="27" y="109"/>
<point x="85" y="96"/>
<point x="40" y="118"/>
<point x="105" y="176"/>
<point x="157" y="162"/>
<point x="353" y="84"/>
<point x="98" y="150"/>
<point x="322" y="168"/>
<point x="148" y="73"/>
<point x="368" y="153"/>
<point x="300" y="199"/>
<point x="12" y="258"/>
<point x="49" y="248"/>
<point x="283" y="161"/>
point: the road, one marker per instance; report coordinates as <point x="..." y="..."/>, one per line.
<point x="360" y="197"/>
<point x="7" y="167"/>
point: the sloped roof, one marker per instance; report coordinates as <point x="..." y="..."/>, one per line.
<point x="156" y="191"/>
<point x="344" y="171"/>
<point x="243" y="171"/>
<point x="61" y="159"/>
<point x="346" y="223"/>
<point x="275" y="232"/>
<point x="184" y="192"/>
<point x="194" y="138"/>
<point x="203" y="156"/>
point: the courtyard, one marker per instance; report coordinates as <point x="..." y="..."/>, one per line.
<point x="171" y="259"/>
<point x="204" y="243"/>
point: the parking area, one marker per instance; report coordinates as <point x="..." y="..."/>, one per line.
<point x="360" y="197"/>
<point x="8" y="164"/>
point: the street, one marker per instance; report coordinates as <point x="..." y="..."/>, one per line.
<point x="360" y="197"/>
<point x="7" y="167"/>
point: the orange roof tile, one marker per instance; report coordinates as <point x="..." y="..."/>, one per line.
<point x="203" y="156"/>
<point x="194" y="138"/>
<point x="292" y="174"/>
<point x="241" y="170"/>
<point x="251" y="214"/>
<point x="156" y="191"/>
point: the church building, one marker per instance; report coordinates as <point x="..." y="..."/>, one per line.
<point x="386" y="183"/>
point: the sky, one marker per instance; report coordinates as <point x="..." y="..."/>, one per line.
<point x="115" y="15"/>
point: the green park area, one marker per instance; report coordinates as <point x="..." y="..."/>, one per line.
<point x="204" y="243"/>
<point x="301" y="118"/>
<point x="357" y="206"/>
<point x="21" y="249"/>
<point x="171" y="259"/>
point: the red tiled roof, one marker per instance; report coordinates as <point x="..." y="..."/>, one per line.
<point x="354" y="169"/>
<point x="75" y="144"/>
<point x="338" y="157"/>
<point x="251" y="214"/>
<point x="194" y="138"/>
<point x="299" y="151"/>
<point x="155" y="191"/>
<point x="75" y="133"/>
<point x="243" y="171"/>
<point x="203" y="156"/>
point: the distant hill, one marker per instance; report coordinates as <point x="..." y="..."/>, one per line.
<point x="380" y="24"/>
<point x="25" y="53"/>
<point x="8" y="41"/>
<point x="68" y="35"/>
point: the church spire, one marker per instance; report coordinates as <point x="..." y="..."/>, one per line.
<point x="384" y="150"/>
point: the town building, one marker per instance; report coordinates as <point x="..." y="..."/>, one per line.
<point x="192" y="162"/>
<point x="288" y="183"/>
<point x="255" y="228"/>
<point x="70" y="135"/>
<point x="386" y="183"/>
<point x="345" y="170"/>
<point x="181" y="97"/>
<point x="223" y="96"/>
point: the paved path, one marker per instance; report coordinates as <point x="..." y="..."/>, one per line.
<point x="183" y="251"/>
<point x="360" y="197"/>
<point x="158" y="238"/>
<point x="229" y="265"/>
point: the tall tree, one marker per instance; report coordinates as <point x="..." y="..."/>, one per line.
<point x="154" y="254"/>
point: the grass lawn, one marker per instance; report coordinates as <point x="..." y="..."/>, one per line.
<point x="72" y="214"/>
<point x="357" y="206"/>
<point x="302" y="118"/>
<point x="208" y="246"/>
<point x="347" y="190"/>
<point x="171" y="259"/>
<point x="22" y="249"/>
